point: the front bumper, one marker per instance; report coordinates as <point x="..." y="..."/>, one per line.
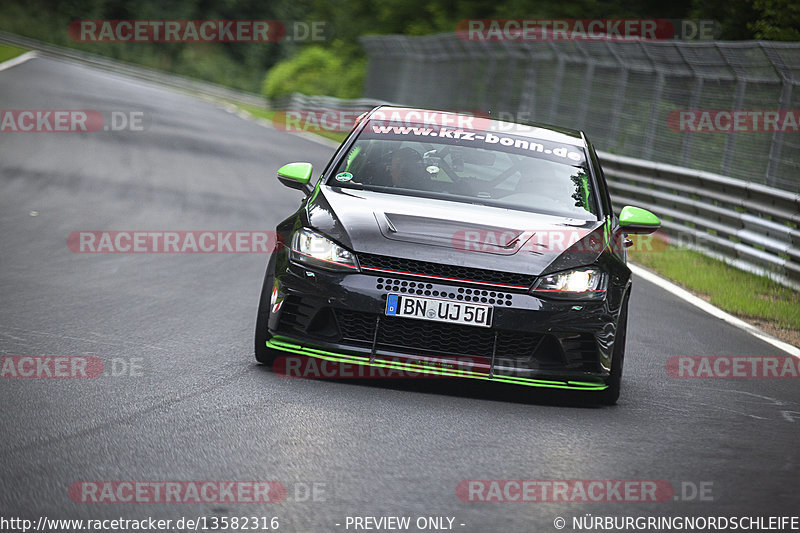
<point x="340" y="317"/>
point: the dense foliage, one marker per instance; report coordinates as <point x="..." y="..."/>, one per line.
<point x="335" y="65"/>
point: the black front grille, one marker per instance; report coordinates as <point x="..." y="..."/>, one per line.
<point x="435" y="338"/>
<point x="422" y="288"/>
<point x="424" y="268"/>
<point x="355" y="327"/>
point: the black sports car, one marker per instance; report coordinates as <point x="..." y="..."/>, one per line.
<point x="455" y="246"/>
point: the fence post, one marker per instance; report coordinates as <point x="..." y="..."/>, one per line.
<point x="694" y="101"/>
<point x="527" y="100"/>
<point x="783" y="105"/>
<point x="619" y="100"/>
<point x="738" y="99"/>
<point x="554" y="100"/>
<point x="586" y="90"/>
<point x="649" y="135"/>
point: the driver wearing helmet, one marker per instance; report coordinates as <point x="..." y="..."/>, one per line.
<point x="406" y="169"/>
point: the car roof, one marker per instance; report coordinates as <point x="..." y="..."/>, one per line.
<point x="533" y="130"/>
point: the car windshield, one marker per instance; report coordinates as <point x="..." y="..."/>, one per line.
<point x="481" y="167"/>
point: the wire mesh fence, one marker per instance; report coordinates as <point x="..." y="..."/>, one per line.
<point x="724" y="107"/>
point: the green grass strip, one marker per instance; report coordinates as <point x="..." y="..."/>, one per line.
<point x="10" y="52"/>
<point x="735" y="291"/>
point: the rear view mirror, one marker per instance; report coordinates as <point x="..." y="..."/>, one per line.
<point x="483" y="158"/>
<point x="638" y="220"/>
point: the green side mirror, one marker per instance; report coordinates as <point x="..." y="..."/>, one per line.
<point x="638" y="220"/>
<point x="296" y="175"/>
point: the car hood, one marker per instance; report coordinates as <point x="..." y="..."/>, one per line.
<point x="454" y="233"/>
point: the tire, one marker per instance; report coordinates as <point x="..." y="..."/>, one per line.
<point x="610" y="395"/>
<point x="265" y="356"/>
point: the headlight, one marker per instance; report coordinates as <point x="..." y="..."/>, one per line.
<point x="580" y="283"/>
<point x="313" y="249"/>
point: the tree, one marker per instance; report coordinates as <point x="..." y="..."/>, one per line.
<point x="778" y="20"/>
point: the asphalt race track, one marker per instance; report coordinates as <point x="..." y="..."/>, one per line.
<point x="196" y="406"/>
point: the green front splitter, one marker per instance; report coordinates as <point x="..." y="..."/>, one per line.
<point x="287" y="345"/>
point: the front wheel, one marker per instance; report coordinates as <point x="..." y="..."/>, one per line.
<point x="610" y="395"/>
<point x="265" y="356"/>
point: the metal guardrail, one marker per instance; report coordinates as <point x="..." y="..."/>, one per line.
<point x="748" y="225"/>
<point x="174" y="81"/>
<point x="301" y="102"/>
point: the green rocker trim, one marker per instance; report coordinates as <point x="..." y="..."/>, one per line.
<point x="287" y="345"/>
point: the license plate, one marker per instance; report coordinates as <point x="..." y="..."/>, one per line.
<point x="439" y="310"/>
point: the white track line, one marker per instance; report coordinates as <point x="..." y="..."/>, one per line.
<point x="712" y="310"/>
<point x="14" y="61"/>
